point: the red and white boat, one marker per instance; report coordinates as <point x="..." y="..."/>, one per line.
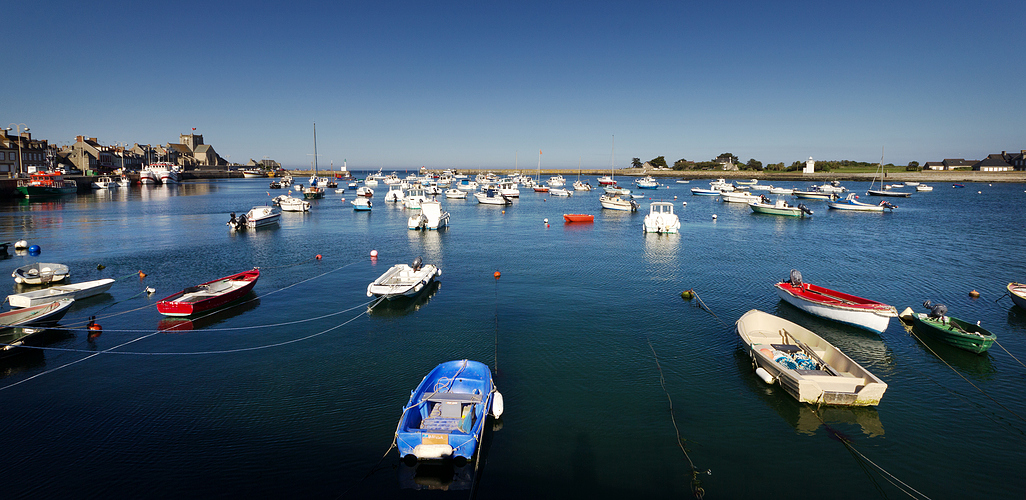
<point x="579" y="218"/>
<point x="1018" y="293"/>
<point x="41" y="315"/>
<point x="838" y="306"/>
<point x="209" y="295"/>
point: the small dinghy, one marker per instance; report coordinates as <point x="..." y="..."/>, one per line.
<point x="402" y="280"/>
<point x="950" y="330"/>
<point x="579" y="217"/>
<point x="75" y="291"/>
<point x="831" y="304"/>
<point x="42" y="315"/>
<point x="446" y="413"/>
<point x="40" y="273"/>
<point x="1018" y="293"/>
<point x="807" y="367"/>
<point x="209" y="295"/>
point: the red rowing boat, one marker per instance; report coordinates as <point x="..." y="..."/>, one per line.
<point x="838" y="306"/>
<point x="579" y="218"/>
<point x="209" y="295"/>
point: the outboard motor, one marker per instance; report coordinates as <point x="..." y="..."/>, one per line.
<point x="803" y="208"/>
<point x="936" y="311"/>
<point x="417" y="263"/>
<point x="233" y="222"/>
<point x="887" y="204"/>
<point x="765" y="199"/>
<point x="795" y="278"/>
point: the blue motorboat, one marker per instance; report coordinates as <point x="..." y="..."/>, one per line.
<point x="446" y="413"/>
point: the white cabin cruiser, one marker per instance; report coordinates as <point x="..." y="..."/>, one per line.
<point x="661" y="219"/>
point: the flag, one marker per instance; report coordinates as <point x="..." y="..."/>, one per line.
<point x="194" y="128"/>
<point x="539" y="151"/>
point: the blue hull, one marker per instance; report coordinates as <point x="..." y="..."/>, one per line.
<point x="445" y="415"/>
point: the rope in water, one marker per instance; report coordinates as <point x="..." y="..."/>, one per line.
<point x="696" y="485"/>
<point x="910" y="330"/>
<point x="705" y="307"/>
<point x="1008" y="353"/>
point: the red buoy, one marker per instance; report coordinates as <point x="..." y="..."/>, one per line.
<point x="318" y="256"/>
<point x="497" y="274"/>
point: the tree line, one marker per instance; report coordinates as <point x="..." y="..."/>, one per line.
<point x="753" y="164"/>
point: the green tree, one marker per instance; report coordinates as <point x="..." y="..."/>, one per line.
<point x="659" y="161"/>
<point x="681" y="164"/>
<point x="753" y="164"/>
<point x="636" y="163"/>
<point x="727" y="157"/>
<point x="913" y="164"/>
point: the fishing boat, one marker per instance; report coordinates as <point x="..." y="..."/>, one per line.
<point x="291" y="203"/>
<point x="1018" y="293"/>
<point x="838" y="306"/>
<point x="431" y="217"/>
<point x="77" y="291"/>
<point x="805" y="365"/>
<point x="147" y="177"/>
<point x="455" y="194"/>
<point x="617" y="202"/>
<point x="779" y="207"/>
<point x="313" y="192"/>
<point x="738" y="197"/>
<point x="362" y="204"/>
<point x="647" y="182"/>
<point x="255" y="218"/>
<point x="492" y="196"/>
<point x="44" y="184"/>
<point x="851" y="202"/>
<point x="40" y="273"/>
<point x="924" y="188"/>
<point x="210" y="295"/>
<point x="104" y="182"/>
<point x="365" y="192"/>
<point x="579" y="217"/>
<point x="166" y="172"/>
<point x="446" y="413"/>
<point x="45" y="314"/>
<point x="395" y="194"/>
<point x="661" y="219"/>
<point x="414" y="197"/>
<point x="950" y="330"/>
<point x="403" y="280"/>
<point x="124" y="181"/>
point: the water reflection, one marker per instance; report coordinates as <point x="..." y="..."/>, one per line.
<point x="1017" y="317"/>
<point x="14" y="359"/>
<point x="864" y="347"/>
<point x="170" y="324"/>
<point x="979" y="365"/>
<point x="661" y="248"/>
<point x="442" y="476"/>
<point x="404" y="305"/>
<point x="430" y="243"/>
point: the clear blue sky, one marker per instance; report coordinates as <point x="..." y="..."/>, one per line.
<point x="472" y="84"/>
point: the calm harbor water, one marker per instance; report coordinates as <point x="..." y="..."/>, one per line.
<point x="297" y="392"/>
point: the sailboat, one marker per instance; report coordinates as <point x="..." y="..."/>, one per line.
<point x="313" y="192"/>
<point x="538" y="186"/>
<point x="580" y="186"/>
<point x="884" y="190"/>
<point x="609" y="181"/>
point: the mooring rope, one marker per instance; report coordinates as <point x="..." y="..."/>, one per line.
<point x="696" y="484"/>
<point x="705" y="307"/>
<point x="1008" y="353"/>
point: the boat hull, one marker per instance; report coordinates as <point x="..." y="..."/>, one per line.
<point x="578" y="218"/>
<point x="41" y="315"/>
<point x="40" y="273"/>
<point x="1018" y="293"/>
<point x="446" y="413"/>
<point x="954" y="332"/>
<point x="832" y="378"/>
<point x="894" y="194"/>
<point x="402" y="280"/>
<point x="772" y="210"/>
<point x="838" y="306"/>
<point x="194" y="300"/>
<point x="77" y="291"/>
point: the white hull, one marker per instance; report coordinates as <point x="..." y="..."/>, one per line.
<point x="661" y="219"/>
<point x="75" y="291"/>
<point x="618" y="203"/>
<point x="738" y="197"/>
<point x="402" y="280"/>
<point x="869" y="320"/>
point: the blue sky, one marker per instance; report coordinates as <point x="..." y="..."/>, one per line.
<point x="399" y="85"/>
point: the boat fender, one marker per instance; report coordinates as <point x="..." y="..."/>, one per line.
<point x="21" y="245"/>
<point x="974" y="294"/>
<point x="497" y="406"/>
<point x="764" y="375"/>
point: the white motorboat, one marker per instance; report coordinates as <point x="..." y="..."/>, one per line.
<point x="402" y="280"/>
<point x="431" y="216"/>
<point x="492" y="197"/>
<point x="124" y="181"/>
<point x="831" y="187"/>
<point x="560" y="192"/>
<point x="683" y="181"/>
<point x="647" y="182"/>
<point x="851" y="202"/>
<point x="75" y="291"/>
<point x="705" y="192"/>
<point x="813" y="194"/>
<point x="617" y="202"/>
<point x="365" y="191"/>
<point x="362" y="204"/>
<point x="104" y="182"/>
<point x="807" y="367"/>
<point x="395" y="194"/>
<point x="291" y="203"/>
<point x="466" y="185"/>
<point x="759" y="187"/>
<point x="414" y="197"/>
<point x="750" y="182"/>
<point x="40" y="273"/>
<point x="455" y="194"/>
<point x="614" y="190"/>
<point x="777" y="190"/>
<point x="509" y="189"/>
<point x="256" y="217"/>
<point x="779" y="207"/>
<point x="923" y="188"/>
<point x="721" y="185"/>
<point x="582" y="186"/>
<point x="556" y="182"/>
<point x="911" y="183"/>
<point x="661" y="219"/>
<point x="738" y="197"/>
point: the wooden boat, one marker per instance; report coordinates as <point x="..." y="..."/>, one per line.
<point x="950" y="330"/>
<point x="43" y="184"/>
<point x="838" y="306"/>
<point x="806" y="366"/>
<point x="851" y="202"/>
<point x="579" y="217"/>
<point x="661" y="219"/>
<point x="402" y="280"/>
<point x="1018" y="293"/>
<point x="210" y="295"/>
<point x="45" y="314"/>
<point x="780" y="207"/>
<point x="77" y="291"/>
<point x="616" y="202"/>
<point x="40" y="273"/>
<point x="446" y="413"/>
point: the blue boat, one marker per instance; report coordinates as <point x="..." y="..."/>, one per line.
<point x="446" y="413"/>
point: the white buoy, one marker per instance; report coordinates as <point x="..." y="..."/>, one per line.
<point x="546" y="221"/>
<point x="497" y="404"/>
<point x="21" y="244"/>
<point x="714" y="216"/>
<point x="764" y="375"/>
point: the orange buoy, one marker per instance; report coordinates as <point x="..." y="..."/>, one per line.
<point x="142" y="274"/>
<point x="974" y="294"/>
<point x="497" y="274"/>
<point x="318" y="256"/>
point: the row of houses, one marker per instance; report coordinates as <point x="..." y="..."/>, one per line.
<point x="1003" y="162"/>
<point x="88" y="155"/>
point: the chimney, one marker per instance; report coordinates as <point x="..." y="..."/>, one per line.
<point x="79" y="138"/>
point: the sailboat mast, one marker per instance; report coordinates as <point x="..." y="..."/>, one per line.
<point x="612" y="161"/>
<point x="315" y="147"/>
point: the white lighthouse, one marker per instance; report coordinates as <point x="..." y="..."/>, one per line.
<point x="810" y="166"/>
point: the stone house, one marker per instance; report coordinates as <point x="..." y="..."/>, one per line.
<point x="993" y="163"/>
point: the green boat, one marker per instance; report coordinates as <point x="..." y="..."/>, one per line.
<point x="953" y="331"/>
<point x="43" y="184"/>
